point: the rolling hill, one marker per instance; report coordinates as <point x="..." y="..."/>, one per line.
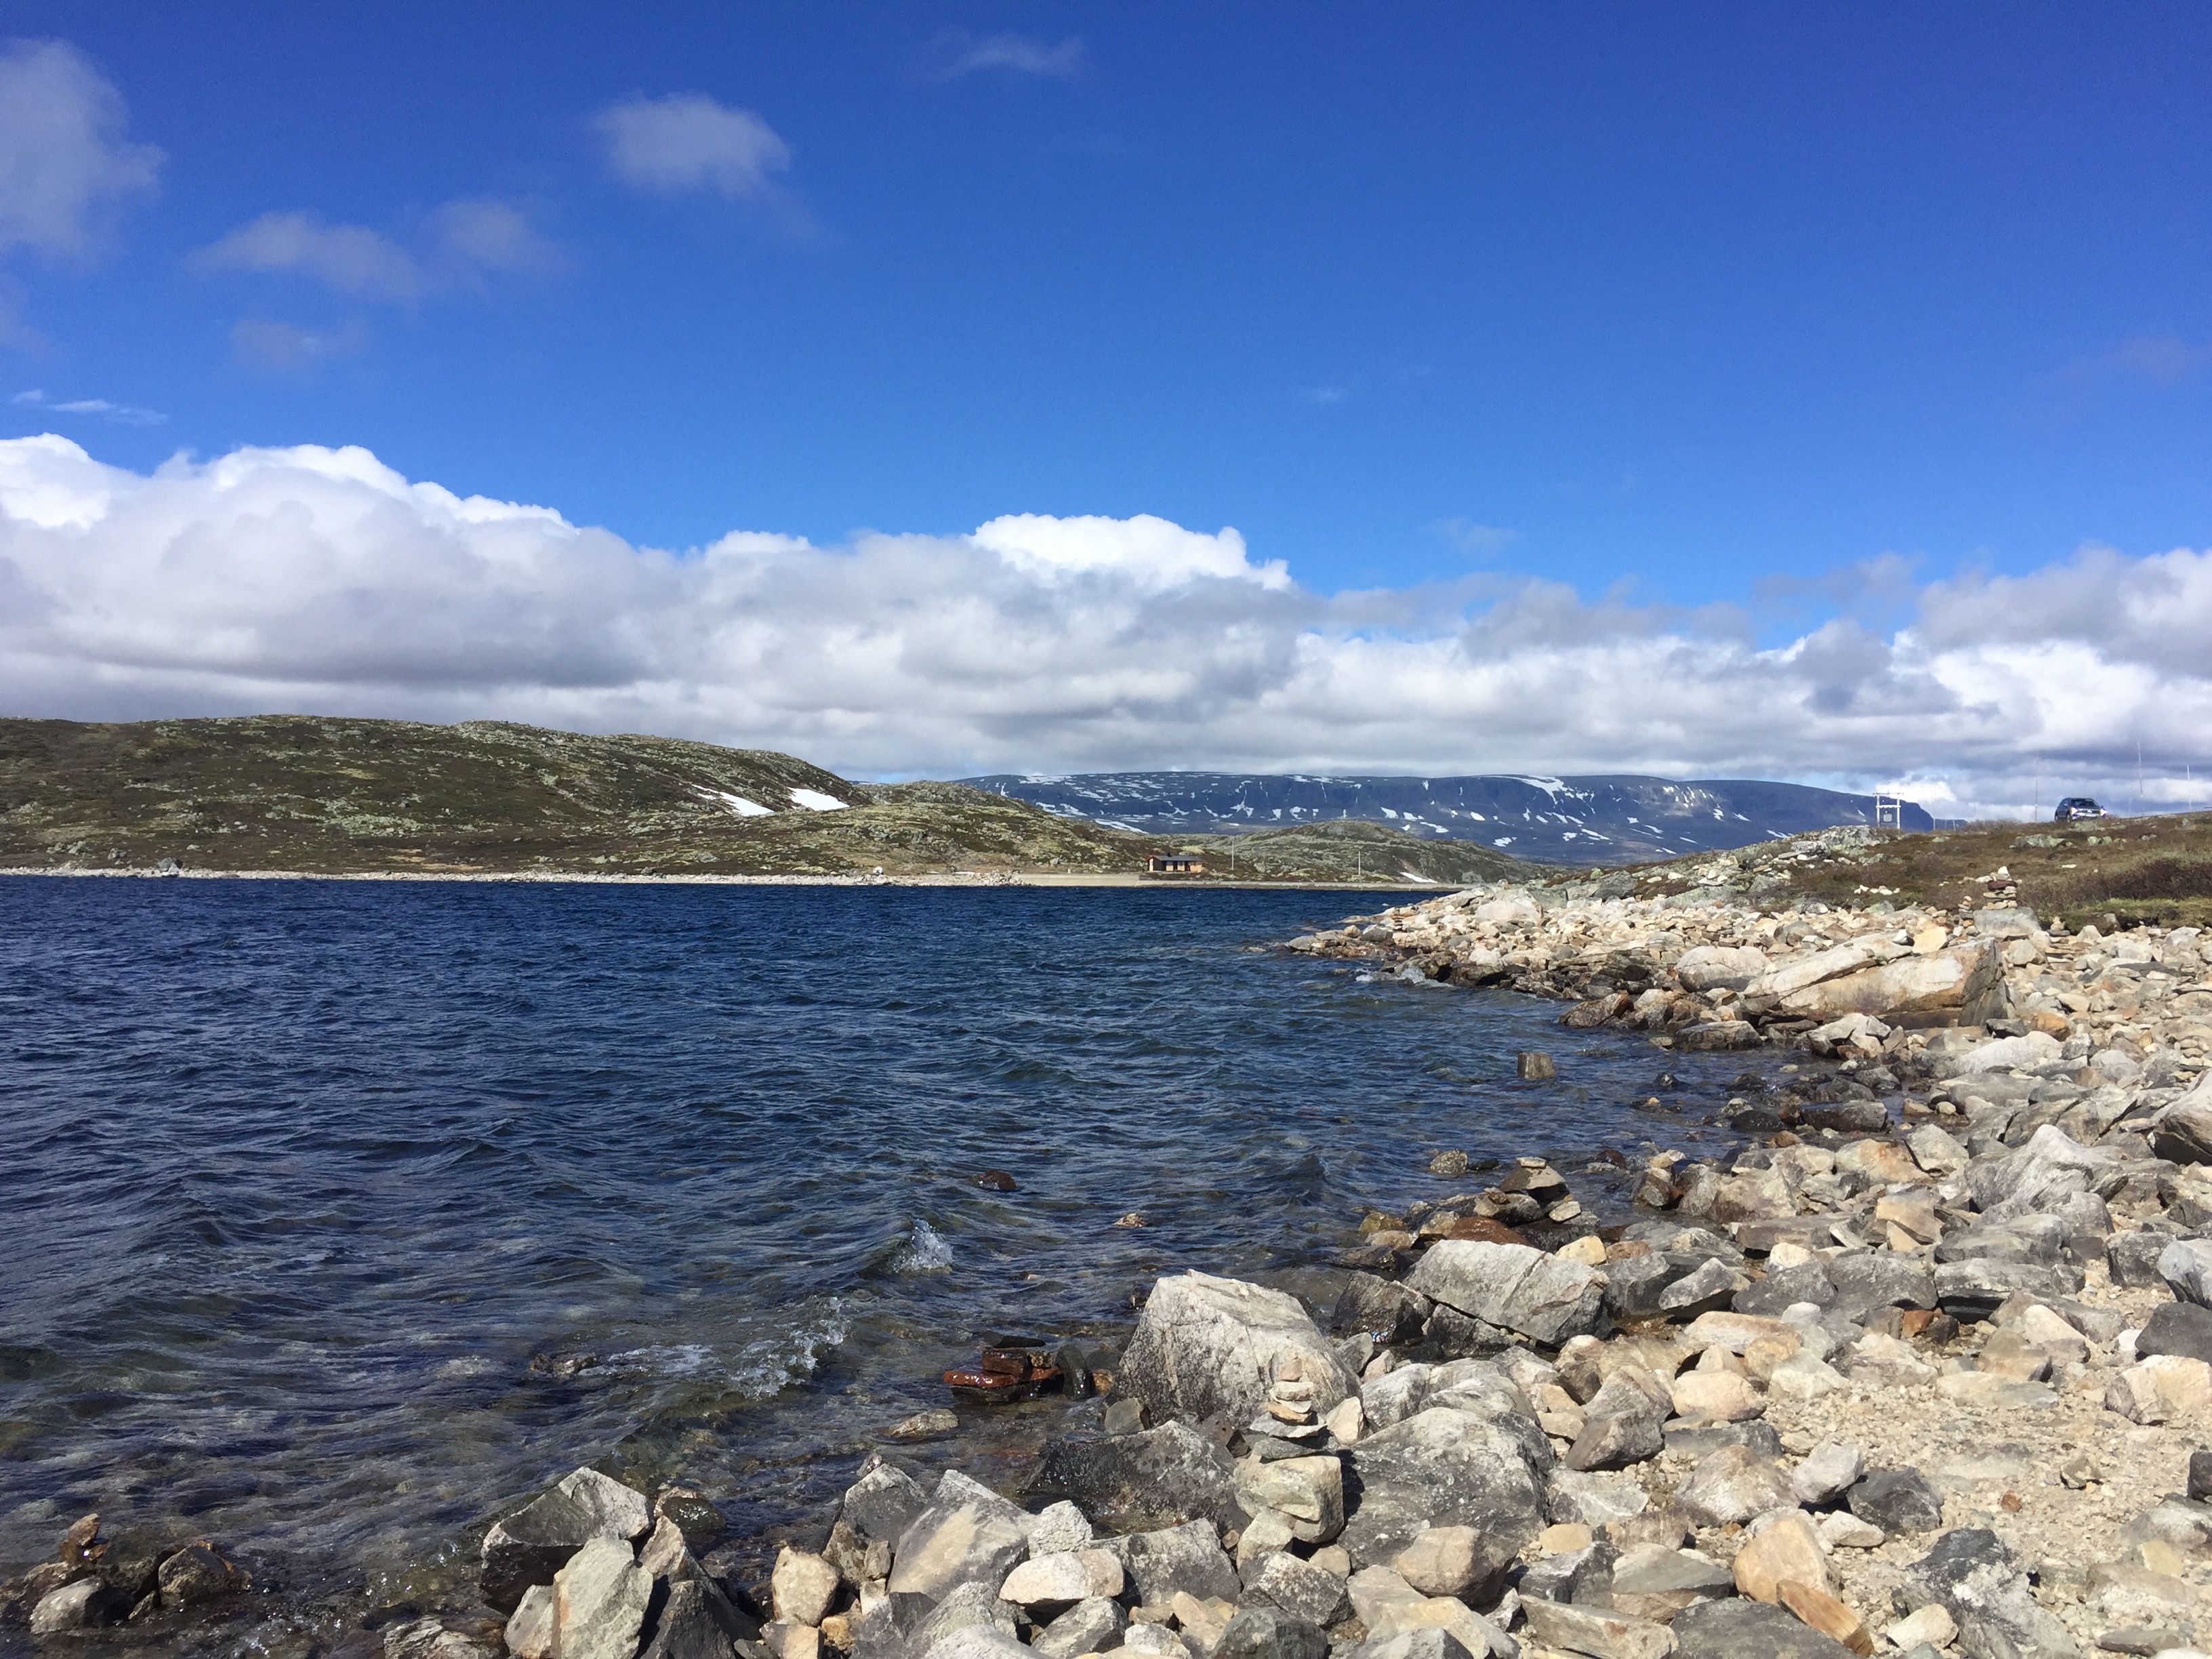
<point x="336" y="796"/>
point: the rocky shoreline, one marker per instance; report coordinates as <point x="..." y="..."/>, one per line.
<point x="1921" y="1369"/>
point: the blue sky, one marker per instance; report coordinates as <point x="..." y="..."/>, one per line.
<point x="1687" y="294"/>
<point x="1721" y="301"/>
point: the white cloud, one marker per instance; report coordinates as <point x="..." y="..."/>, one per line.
<point x="275" y="347"/>
<point x="121" y="414"/>
<point x="494" y="236"/>
<point x="466" y="239"/>
<point x="1150" y="554"/>
<point x="686" y="141"/>
<point x="1019" y="52"/>
<point x="65" y="161"/>
<point x="1477" y="541"/>
<point x="318" y="579"/>
<point x="352" y="260"/>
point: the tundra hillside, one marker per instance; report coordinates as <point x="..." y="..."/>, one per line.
<point x="305" y="794"/>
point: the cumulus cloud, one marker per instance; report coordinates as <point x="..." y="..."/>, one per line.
<point x="686" y="141"/>
<point x="316" y="579"/>
<point x="1020" y="53"/>
<point x="352" y="260"/>
<point x="494" y="236"/>
<point x="66" y="162"/>
<point x="466" y="239"/>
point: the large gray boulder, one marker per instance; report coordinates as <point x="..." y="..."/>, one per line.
<point x="1161" y="1476"/>
<point x="1441" y="1468"/>
<point x="1299" y="1587"/>
<point x="1383" y="1308"/>
<point x="1624" y="1422"/>
<point x="1270" y="1633"/>
<point x="1976" y="1290"/>
<point x="1428" y="1642"/>
<point x="967" y="1534"/>
<point x="2185" y="1264"/>
<point x="966" y="1606"/>
<point x="534" y="1543"/>
<point x="1732" y="1484"/>
<point x="1737" y="1629"/>
<point x="1962" y="986"/>
<point x="1970" y="1574"/>
<point x="1867" y="1280"/>
<point x="1207" y="1347"/>
<point x="599" y="1600"/>
<point x="1090" y="1627"/>
<point x="975" y="1642"/>
<point x="1468" y="1385"/>
<point x="1188" y="1558"/>
<point x="1704" y="967"/>
<point x="882" y="1503"/>
<point x="2184" y="1133"/>
<point x="691" y="1626"/>
<point x="1545" y="1299"/>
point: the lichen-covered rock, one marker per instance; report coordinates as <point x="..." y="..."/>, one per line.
<point x="1970" y="1573"/>
<point x="1731" y="1485"/>
<point x="1169" y="1474"/>
<point x="967" y="1534"/>
<point x="1448" y="1468"/>
<point x="1185" y="1560"/>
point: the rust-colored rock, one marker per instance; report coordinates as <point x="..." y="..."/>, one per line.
<point x="1825" y="1613"/>
<point x="1001" y="1375"/>
<point x="1484" y="1229"/>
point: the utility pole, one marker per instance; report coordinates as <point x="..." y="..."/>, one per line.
<point x="2035" y="806"/>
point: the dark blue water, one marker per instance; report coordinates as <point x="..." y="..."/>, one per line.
<point x="300" y="1178"/>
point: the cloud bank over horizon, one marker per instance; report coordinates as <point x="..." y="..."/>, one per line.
<point x="313" y="579"/>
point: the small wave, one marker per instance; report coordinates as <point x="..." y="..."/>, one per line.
<point x="924" y="1251"/>
<point x="772" y="1364"/>
<point x="765" y="1366"/>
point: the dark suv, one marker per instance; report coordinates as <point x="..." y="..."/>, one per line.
<point x="2076" y="806"/>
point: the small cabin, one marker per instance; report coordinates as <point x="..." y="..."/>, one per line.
<point x="1174" y="865"/>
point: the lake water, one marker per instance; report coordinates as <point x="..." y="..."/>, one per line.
<point x="300" y="1178"/>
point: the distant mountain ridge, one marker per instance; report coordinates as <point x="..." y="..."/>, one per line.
<point x="1577" y="820"/>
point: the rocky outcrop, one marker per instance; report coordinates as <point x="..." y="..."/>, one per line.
<point x="1212" y="1348"/>
<point x="1512" y="1288"/>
